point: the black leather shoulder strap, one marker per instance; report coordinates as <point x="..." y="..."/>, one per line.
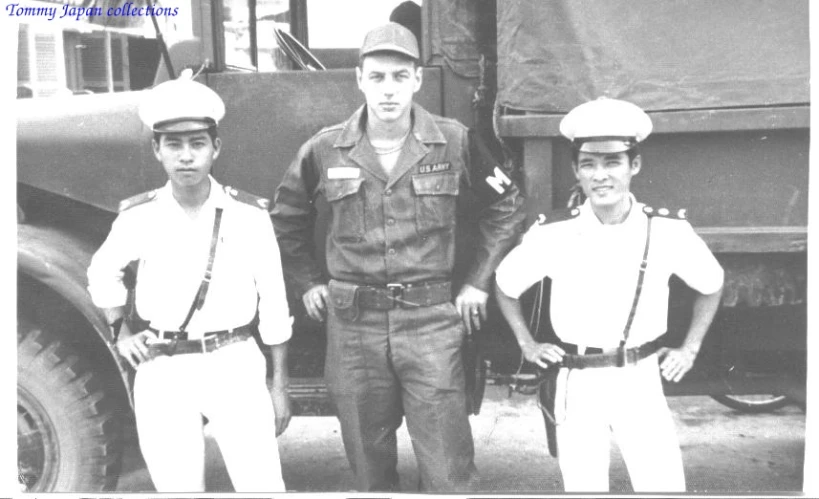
<point x="640" y="279"/>
<point x="557" y="216"/>
<point x="199" y="299"/>
<point x="672" y="213"/>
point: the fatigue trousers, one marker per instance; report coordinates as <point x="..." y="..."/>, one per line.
<point x="382" y="366"/>
<point x="229" y="387"/>
<point x="591" y="404"/>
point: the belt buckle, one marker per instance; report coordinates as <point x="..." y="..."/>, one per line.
<point x="622" y="356"/>
<point x="214" y="341"/>
<point x="396" y="290"/>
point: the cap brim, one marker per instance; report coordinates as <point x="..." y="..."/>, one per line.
<point x="605" y="146"/>
<point x="389" y="47"/>
<point x="183" y="126"/>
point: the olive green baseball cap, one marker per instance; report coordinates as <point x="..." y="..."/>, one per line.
<point x="390" y="37"/>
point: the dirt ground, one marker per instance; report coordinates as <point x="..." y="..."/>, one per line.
<point x="724" y="452"/>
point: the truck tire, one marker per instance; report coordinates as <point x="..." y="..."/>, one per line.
<point x="68" y="435"/>
<point x="753" y="404"/>
<point x="737" y="370"/>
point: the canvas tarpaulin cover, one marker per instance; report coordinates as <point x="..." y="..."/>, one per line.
<point x="659" y="54"/>
<point x="453" y="34"/>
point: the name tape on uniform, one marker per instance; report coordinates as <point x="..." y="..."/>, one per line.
<point x="434" y="167"/>
<point x="339" y="172"/>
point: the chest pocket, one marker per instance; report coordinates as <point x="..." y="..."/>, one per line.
<point x="435" y="198"/>
<point x="348" y="207"/>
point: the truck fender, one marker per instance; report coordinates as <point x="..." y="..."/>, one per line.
<point x="59" y="260"/>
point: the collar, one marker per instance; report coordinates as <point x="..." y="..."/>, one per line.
<point x="216" y="197"/>
<point x="634" y="214"/>
<point x="424" y="128"/>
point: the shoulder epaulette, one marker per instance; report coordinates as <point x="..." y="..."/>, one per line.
<point x="675" y="214"/>
<point x="247" y="198"/>
<point x="137" y="200"/>
<point x="557" y="216"/>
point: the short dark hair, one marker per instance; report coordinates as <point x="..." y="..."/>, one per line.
<point x="211" y="132"/>
<point x="631" y="153"/>
<point x="404" y="57"/>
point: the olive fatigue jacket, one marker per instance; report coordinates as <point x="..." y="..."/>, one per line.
<point x="398" y="228"/>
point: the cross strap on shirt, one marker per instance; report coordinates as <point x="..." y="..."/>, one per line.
<point x="170" y="344"/>
<point x="202" y="292"/>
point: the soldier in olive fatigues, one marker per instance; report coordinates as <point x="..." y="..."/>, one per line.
<point x="393" y="174"/>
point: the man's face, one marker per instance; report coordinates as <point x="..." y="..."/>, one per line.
<point x="187" y="157"/>
<point x="606" y="177"/>
<point x="388" y="83"/>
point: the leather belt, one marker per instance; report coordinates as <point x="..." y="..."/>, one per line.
<point x="176" y="342"/>
<point x="403" y="295"/>
<point x="596" y="357"/>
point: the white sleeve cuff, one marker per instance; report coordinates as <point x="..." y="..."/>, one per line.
<point x="277" y="332"/>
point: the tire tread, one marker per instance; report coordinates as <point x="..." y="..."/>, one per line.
<point x="85" y="402"/>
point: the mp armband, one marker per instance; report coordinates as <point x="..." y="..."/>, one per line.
<point x="491" y="181"/>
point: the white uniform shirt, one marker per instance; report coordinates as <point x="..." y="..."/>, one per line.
<point x="173" y="252"/>
<point x="594" y="269"/>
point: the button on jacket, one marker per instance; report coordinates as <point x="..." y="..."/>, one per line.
<point x="396" y="228"/>
<point x="173" y="252"/>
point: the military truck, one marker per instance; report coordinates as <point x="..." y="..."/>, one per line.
<point x="726" y="85"/>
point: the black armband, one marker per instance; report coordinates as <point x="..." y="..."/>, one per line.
<point x="490" y="180"/>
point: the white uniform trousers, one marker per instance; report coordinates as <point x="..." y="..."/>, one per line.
<point x="228" y="386"/>
<point x="591" y="404"/>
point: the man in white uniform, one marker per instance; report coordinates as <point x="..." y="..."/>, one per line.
<point x="606" y="311"/>
<point x="209" y="275"/>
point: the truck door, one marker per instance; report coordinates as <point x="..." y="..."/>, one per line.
<point x="272" y="108"/>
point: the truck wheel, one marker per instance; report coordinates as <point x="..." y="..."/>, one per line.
<point x="753" y="404"/>
<point x="736" y="372"/>
<point x="68" y="438"/>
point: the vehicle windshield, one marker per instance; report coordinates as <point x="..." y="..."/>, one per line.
<point x="331" y="29"/>
<point x="100" y="48"/>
